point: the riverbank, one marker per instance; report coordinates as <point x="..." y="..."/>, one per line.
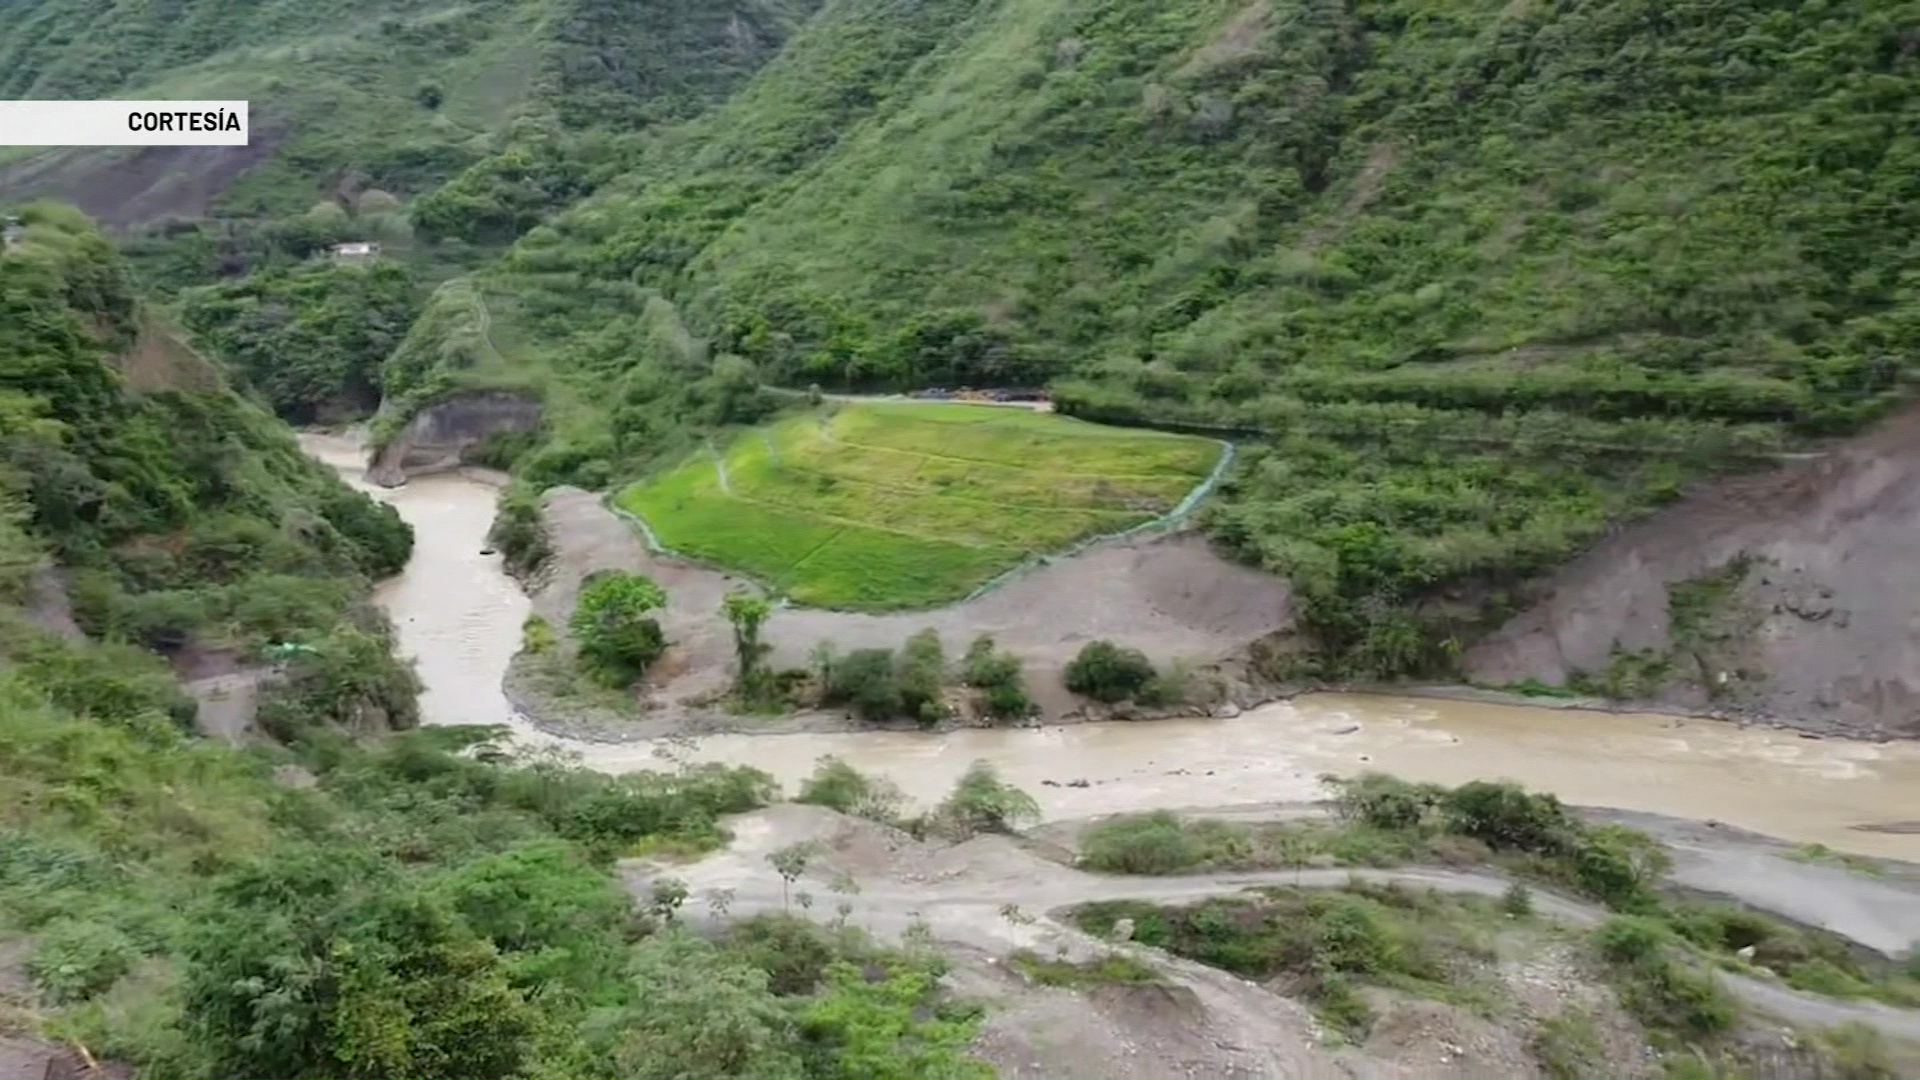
<point x="459" y="616"/>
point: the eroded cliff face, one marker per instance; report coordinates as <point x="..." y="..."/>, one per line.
<point x="440" y="436"/>
<point x="1792" y="595"/>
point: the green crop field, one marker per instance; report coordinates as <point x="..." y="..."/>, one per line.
<point x="881" y="506"/>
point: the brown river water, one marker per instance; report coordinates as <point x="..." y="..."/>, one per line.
<point x="459" y="616"/>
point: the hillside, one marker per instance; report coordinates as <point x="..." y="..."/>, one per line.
<point x="153" y="511"/>
<point x="354" y="94"/>
<point x="1489" y="275"/>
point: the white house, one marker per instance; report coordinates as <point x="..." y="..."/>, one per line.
<point x="359" y="249"/>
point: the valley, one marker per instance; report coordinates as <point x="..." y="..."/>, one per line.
<point x="964" y="538"/>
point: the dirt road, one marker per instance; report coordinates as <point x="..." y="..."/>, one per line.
<point x="886" y="881"/>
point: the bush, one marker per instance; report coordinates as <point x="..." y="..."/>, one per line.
<point x="1658" y="987"/>
<point x="1156" y="843"/>
<point x="996" y="674"/>
<point x="1506" y="816"/>
<point x="921" y="674"/>
<point x="75" y="960"/>
<point x="536" y="636"/>
<point x="616" y="638"/>
<point x="1626" y="939"/>
<point x="866" y="681"/>
<point x="840" y="786"/>
<point x="1618" y="866"/>
<point x="1106" y="672"/>
<point x="519" y="533"/>
<point x="1382" y="801"/>
<point x="982" y="802"/>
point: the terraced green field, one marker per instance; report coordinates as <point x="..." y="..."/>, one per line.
<point x="901" y="505"/>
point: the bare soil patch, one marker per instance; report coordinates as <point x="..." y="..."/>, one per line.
<point x="124" y="187"/>
<point x="1819" y="632"/>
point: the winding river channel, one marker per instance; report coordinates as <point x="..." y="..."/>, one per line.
<point x="459" y="616"/>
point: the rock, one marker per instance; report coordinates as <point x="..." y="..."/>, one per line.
<point x="1744" y="953"/>
<point x="1227" y="711"/>
<point x="486" y="551"/>
<point x="1348" y="730"/>
<point x="1123" y="929"/>
<point x="293" y="776"/>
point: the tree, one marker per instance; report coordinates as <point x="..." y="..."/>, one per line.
<point x="982" y="802"/>
<point x="790" y="863"/>
<point x="747" y="613"/>
<point x="328" y="963"/>
<point x="616" y="638"/>
<point x="701" y="1014"/>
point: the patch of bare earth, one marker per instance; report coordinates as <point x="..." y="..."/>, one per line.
<point x="160" y="361"/>
<point x="1173" y="598"/>
<point x="125" y="187"/>
<point x="1239" y="37"/>
<point x="1823" y="628"/>
<point x="986" y="899"/>
<point x="1366" y="188"/>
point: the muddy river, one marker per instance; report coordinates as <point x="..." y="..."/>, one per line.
<point x="459" y="616"/>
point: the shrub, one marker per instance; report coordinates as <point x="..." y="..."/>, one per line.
<point x="982" y="802"/>
<point x="1156" y="843"/>
<point x="1627" y="939"/>
<point x="1618" y="866"/>
<point x="921" y="672"/>
<point x="864" y="680"/>
<point x="519" y="532"/>
<point x="617" y="639"/>
<point x="537" y="636"/>
<point x="996" y="674"/>
<point x="1107" y="672"/>
<point x="1382" y="801"/>
<point x="840" y="786"/>
<point x="75" y="960"/>
<point x="1507" y="816"/>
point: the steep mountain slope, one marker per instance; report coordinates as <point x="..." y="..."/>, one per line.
<point x="1486" y="275"/>
<point x="399" y="96"/>
<point x="150" y="509"/>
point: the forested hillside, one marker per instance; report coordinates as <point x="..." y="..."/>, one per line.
<point x="1486" y="274"/>
<point x="176" y="520"/>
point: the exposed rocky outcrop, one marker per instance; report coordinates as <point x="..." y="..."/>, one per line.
<point x="439" y="436"/>
<point x="1792" y="596"/>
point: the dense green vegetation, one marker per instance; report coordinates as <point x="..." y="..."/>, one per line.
<point x="311" y="340"/>
<point x="910" y="505"/>
<point x="181" y="518"/>
<point x="413" y="913"/>
<point x="1488" y="275"/>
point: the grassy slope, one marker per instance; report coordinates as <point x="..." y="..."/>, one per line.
<point x="1493" y="273"/>
<point x="887" y="506"/>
